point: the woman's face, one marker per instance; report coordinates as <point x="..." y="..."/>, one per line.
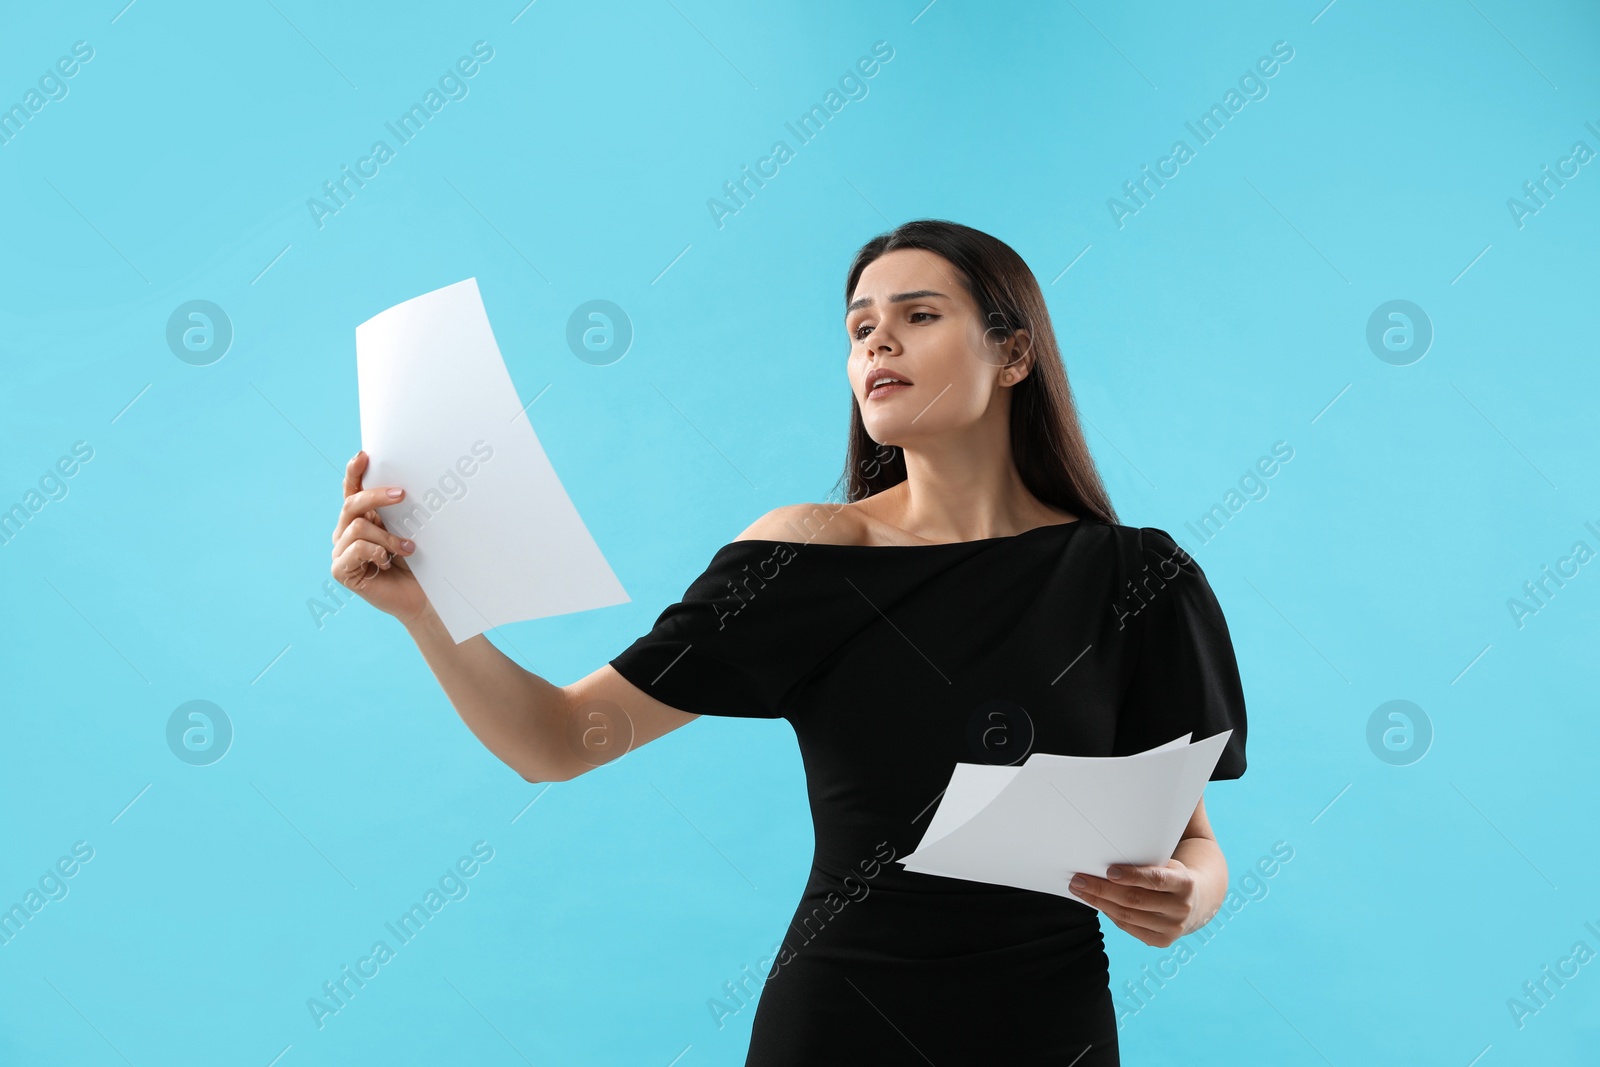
<point x="911" y="315"/>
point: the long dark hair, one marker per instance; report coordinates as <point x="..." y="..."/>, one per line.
<point x="1047" y="444"/>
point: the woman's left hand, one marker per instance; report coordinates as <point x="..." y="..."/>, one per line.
<point x="1155" y="903"/>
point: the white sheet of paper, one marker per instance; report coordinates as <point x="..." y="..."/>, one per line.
<point x="973" y="785"/>
<point x="1036" y="825"/>
<point x="498" y="539"/>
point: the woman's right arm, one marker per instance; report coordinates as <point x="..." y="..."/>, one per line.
<point x="544" y="732"/>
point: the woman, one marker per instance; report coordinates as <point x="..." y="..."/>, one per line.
<point x="974" y="600"/>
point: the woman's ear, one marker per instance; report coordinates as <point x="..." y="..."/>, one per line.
<point x="1018" y="358"/>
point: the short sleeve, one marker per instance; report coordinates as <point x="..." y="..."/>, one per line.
<point x="721" y="649"/>
<point x="1185" y="677"/>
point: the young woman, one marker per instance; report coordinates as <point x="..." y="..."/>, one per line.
<point x="973" y="600"/>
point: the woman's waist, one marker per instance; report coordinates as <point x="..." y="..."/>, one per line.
<point x="857" y="864"/>
<point x="901" y="914"/>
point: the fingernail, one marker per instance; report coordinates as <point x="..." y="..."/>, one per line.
<point x="408" y="545"/>
<point x="1113" y="872"/>
<point x="1078" y="885"/>
<point x="394" y="494"/>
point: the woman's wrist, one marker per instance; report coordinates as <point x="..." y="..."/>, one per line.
<point x="1204" y="857"/>
<point x="424" y="624"/>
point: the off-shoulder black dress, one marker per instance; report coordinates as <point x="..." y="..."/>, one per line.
<point x="893" y="663"/>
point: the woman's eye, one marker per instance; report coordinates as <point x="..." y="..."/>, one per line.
<point x="857" y="334"/>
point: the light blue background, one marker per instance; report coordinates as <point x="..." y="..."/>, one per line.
<point x="1228" y="314"/>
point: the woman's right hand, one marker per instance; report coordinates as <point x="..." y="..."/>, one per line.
<point x="367" y="558"/>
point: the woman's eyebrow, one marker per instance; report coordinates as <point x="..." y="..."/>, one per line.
<point x="898" y="298"/>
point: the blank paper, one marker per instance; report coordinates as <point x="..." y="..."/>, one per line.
<point x="1036" y="825"/>
<point x="498" y="539"/>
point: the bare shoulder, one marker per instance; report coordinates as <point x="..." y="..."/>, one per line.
<point x="827" y="524"/>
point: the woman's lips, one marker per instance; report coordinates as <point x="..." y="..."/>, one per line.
<point x="887" y="389"/>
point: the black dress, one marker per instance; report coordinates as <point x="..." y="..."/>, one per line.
<point x="893" y="663"/>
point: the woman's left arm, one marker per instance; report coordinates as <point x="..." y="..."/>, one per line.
<point x="1160" y="903"/>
